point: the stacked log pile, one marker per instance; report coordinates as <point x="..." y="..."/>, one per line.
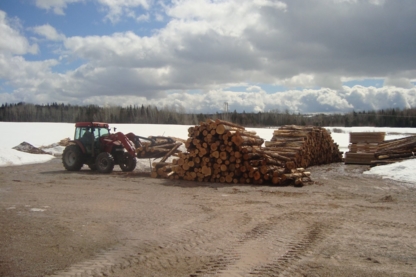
<point x="220" y="151"/>
<point x="391" y="151"/>
<point x="305" y="145"/>
<point x="362" y="147"/>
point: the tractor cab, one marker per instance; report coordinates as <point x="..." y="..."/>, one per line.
<point x="88" y="133"/>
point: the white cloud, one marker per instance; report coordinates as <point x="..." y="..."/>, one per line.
<point x="254" y="88"/>
<point x="57" y="6"/>
<point x="301" y="80"/>
<point x="302" y="101"/>
<point x="228" y="18"/>
<point x="22" y="73"/>
<point x="11" y="41"/>
<point x="250" y="100"/>
<point x="363" y="98"/>
<point x="143" y="17"/>
<point x="118" y="8"/>
<point x="48" y="32"/>
<point x="195" y="52"/>
<point x="159" y="17"/>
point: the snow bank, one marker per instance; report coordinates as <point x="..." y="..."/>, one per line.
<point x="402" y="171"/>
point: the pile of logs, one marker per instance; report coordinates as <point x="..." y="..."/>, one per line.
<point x="157" y="147"/>
<point x="362" y="147"/>
<point x="371" y="149"/>
<point x="221" y="151"/>
<point x="305" y="145"/>
<point x="391" y="151"/>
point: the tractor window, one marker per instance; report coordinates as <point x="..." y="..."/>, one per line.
<point x="77" y="133"/>
<point x="100" y="132"/>
<point x="97" y="131"/>
<point x="80" y="131"/>
<point x="84" y="130"/>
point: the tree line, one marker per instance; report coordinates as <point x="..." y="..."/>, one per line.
<point x="24" y="112"/>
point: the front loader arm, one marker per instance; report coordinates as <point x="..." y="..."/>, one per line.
<point x="127" y="143"/>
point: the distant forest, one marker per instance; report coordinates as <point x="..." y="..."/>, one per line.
<point x="23" y="112"/>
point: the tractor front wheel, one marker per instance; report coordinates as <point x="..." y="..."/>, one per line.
<point x="72" y="158"/>
<point x="104" y="162"/>
<point x="127" y="162"/>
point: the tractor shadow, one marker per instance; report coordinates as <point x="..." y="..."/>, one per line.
<point x="87" y="171"/>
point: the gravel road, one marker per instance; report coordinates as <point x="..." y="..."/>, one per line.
<point x="59" y="223"/>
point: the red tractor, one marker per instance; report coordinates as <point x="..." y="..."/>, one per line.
<point x="94" y="146"/>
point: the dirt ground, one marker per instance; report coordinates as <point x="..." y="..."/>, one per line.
<point x="59" y="223"/>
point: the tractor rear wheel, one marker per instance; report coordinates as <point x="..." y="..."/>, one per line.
<point x="127" y="162"/>
<point x="104" y="162"/>
<point x="72" y="158"/>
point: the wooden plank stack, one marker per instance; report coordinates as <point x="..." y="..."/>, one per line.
<point x="367" y="137"/>
<point x="362" y="147"/>
<point x="221" y="151"/>
<point x="371" y="149"/>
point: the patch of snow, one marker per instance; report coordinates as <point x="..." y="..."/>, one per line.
<point x="10" y="157"/>
<point x="401" y="171"/>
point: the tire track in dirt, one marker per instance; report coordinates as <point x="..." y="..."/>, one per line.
<point x="389" y="224"/>
<point x="254" y="248"/>
<point x="372" y="222"/>
<point x="285" y="265"/>
<point x="176" y="249"/>
<point x="188" y="249"/>
<point x="208" y="247"/>
<point x="265" y="250"/>
<point x="103" y="264"/>
<point x="234" y="259"/>
<point x="194" y="252"/>
<point x="200" y="249"/>
<point x="203" y="250"/>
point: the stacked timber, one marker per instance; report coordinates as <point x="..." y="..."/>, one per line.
<point x="362" y="147"/>
<point x="367" y="137"/>
<point x="371" y="149"/>
<point x="157" y="147"/>
<point x="305" y="145"/>
<point x="221" y="151"/>
<point x="391" y="151"/>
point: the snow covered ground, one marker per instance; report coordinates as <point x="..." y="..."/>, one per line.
<point x="45" y="134"/>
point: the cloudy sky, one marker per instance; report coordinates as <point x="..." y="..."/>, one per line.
<point x="302" y="56"/>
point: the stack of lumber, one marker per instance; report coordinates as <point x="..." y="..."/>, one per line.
<point x="359" y="158"/>
<point x="221" y="151"/>
<point x="157" y="147"/>
<point x="305" y="145"/>
<point x="367" y="137"/>
<point x="362" y="147"/>
<point x="391" y="151"/>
